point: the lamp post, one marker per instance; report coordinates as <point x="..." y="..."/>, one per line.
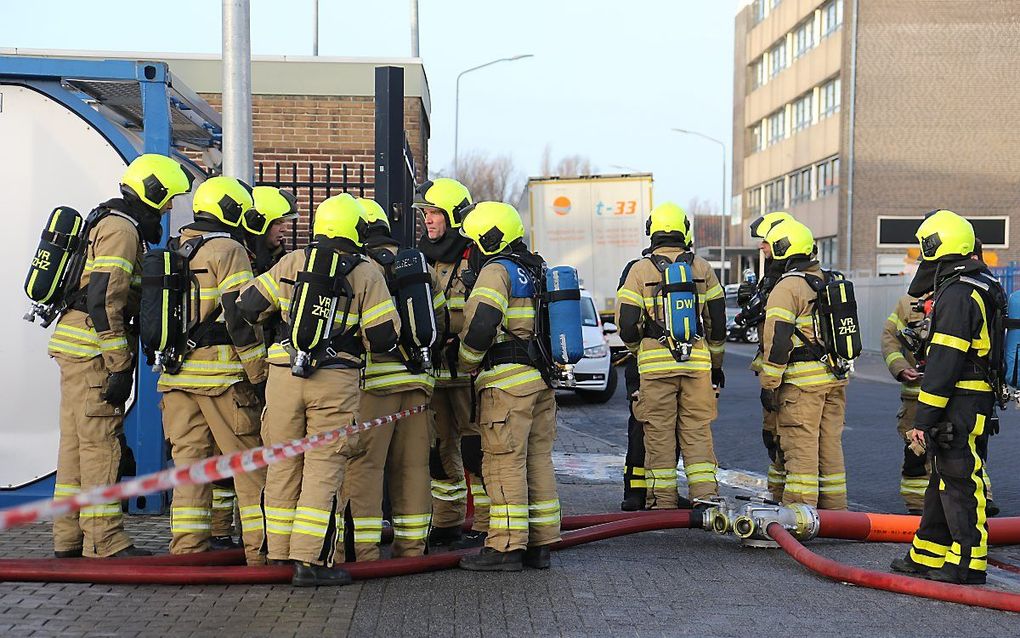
<point x="456" y="116"/>
<point x="726" y="219"/>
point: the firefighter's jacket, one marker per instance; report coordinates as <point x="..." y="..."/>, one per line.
<point x="897" y="357"/>
<point x="371" y="319"/>
<point x="111" y="282"/>
<point x="959" y="344"/>
<point x="639" y="313"/>
<point x="491" y="315"/>
<point x="386" y="373"/>
<point x="450" y="278"/>
<point x="790" y="357"/>
<point x="221" y="267"/>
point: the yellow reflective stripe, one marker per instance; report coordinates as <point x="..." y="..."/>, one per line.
<point x="178" y="381"/>
<point x="979" y="484"/>
<point x="781" y="313"/>
<point x="119" y="343"/>
<point x="456" y="303"/>
<point x="86" y="335"/>
<point x="237" y="279"/>
<point x="714" y="292"/>
<point x="58" y="345"/>
<point x="893" y="356"/>
<point x="66" y="489"/>
<point x="447" y="491"/>
<point x="983" y="342"/>
<point x="896" y="321"/>
<point x="979" y="386"/>
<point x="520" y="313"/>
<point x="949" y="341"/>
<point x="929" y="546"/>
<point x="492" y="295"/>
<point x="438" y="300"/>
<point x="628" y="295"/>
<point x="927" y="561"/>
<point x="933" y="400"/>
<point x="411" y="520"/>
<point x="104" y="510"/>
<point x="208" y="294"/>
<point x="109" y="261"/>
<point x="515" y="380"/>
<point x="270" y="286"/>
<point x="377" y="311"/>
<point x="192" y="365"/>
<point x="389" y="381"/>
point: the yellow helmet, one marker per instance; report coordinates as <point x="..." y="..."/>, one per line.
<point x="943" y="233"/>
<point x="790" y="238"/>
<point x="155" y="179"/>
<point x="271" y="204"/>
<point x="225" y="198"/>
<point x="761" y="226"/>
<point x="338" y="216"/>
<point x="374" y="214"/>
<point x="448" y="195"/>
<point x="492" y="226"/>
<point x="668" y="217"/>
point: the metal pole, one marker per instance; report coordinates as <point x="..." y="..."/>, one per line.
<point x="315" y="27"/>
<point x="456" y="107"/>
<point x="414" y="29"/>
<point x="237" y="142"/>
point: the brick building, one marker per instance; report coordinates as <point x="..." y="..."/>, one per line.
<point x="859" y="124"/>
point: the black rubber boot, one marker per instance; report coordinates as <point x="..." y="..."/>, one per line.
<point x="915" y="512"/>
<point x="470" y="539"/>
<point x="219" y="543"/>
<point x="443" y="536"/>
<point x="633" y="503"/>
<point x="68" y="553"/>
<point x="130" y="551"/>
<point x="537" y="557"/>
<point x="953" y="574"/>
<point x="991" y="509"/>
<point x="490" y="560"/>
<point x="308" y="575"/>
<point x="909" y="567"/>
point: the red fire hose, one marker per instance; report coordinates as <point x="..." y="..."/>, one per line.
<point x="164" y="571"/>
<point x="962" y="594"/>
<point x="894" y="528"/>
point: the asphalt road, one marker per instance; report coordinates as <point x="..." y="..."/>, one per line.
<point x="872" y="447"/>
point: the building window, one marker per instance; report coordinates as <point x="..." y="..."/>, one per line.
<point x="757" y="139"/>
<point x="827" y="176"/>
<point x="829" y="98"/>
<point x="800" y="186"/>
<point x="758" y="73"/>
<point x="757" y="11"/>
<point x="777" y="127"/>
<point x="832" y="16"/>
<point x="828" y="251"/>
<point x="802" y="112"/>
<point x="775" y="195"/>
<point x="804" y="37"/>
<point x="753" y="203"/>
<point x="777" y="54"/>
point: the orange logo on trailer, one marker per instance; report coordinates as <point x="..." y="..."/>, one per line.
<point x="561" y="205"/>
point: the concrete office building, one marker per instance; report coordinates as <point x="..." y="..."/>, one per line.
<point x="859" y="116"/>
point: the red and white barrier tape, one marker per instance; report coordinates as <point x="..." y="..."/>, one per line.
<point x="214" y="469"/>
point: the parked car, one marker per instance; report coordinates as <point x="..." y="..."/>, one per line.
<point x="734" y="332"/>
<point x="595" y="377"/>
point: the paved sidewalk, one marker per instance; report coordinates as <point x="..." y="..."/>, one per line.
<point x="673" y="583"/>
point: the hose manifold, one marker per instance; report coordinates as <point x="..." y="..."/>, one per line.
<point x="750" y="521"/>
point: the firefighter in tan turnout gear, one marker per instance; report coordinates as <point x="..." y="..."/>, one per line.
<point x="516" y="407"/>
<point x="677" y="399"/>
<point x="213" y="402"/>
<point x="397" y="451"/>
<point x="94" y="344"/>
<point x="903" y="367"/>
<point x="809" y="399"/>
<point x="316" y="391"/>
<point x="457" y="443"/>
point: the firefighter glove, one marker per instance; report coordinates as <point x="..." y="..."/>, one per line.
<point x="118" y="387"/>
<point x="718" y="378"/>
<point x="769" y="401"/>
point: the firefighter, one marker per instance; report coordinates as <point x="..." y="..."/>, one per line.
<point x="399" y="452"/>
<point x="677" y="399"/>
<point x="751" y="298"/>
<point x="807" y="397"/>
<point x="516" y="407"/>
<point x="300" y="500"/>
<point x="265" y="222"/>
<point x="903" y="366"/>
<point x="213" y="402"/>
<point x="94" y="345"/>
<point x="956" y="404"/>
<point x="457" y="443"/>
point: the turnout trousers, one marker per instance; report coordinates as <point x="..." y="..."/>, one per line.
<point x="954" y="533"/>
<point x="197" y="425"/>
<point x="300" y="500"/>
<point x="679" y="408"/>
<point x="914" y="473"/>
<point x="399" y="452"/>
<point x="517" y="441"/>
<point x="776" y="476"/>
<point x="88" y="457"/>
<point x="457" y="447"/>
<point x="811" y="440"/>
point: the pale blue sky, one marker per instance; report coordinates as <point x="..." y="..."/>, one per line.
<point x="608" y="80"/>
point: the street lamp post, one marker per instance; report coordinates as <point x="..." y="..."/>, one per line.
<point x="456" y="116"/>
<point x="726" y="220"/>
